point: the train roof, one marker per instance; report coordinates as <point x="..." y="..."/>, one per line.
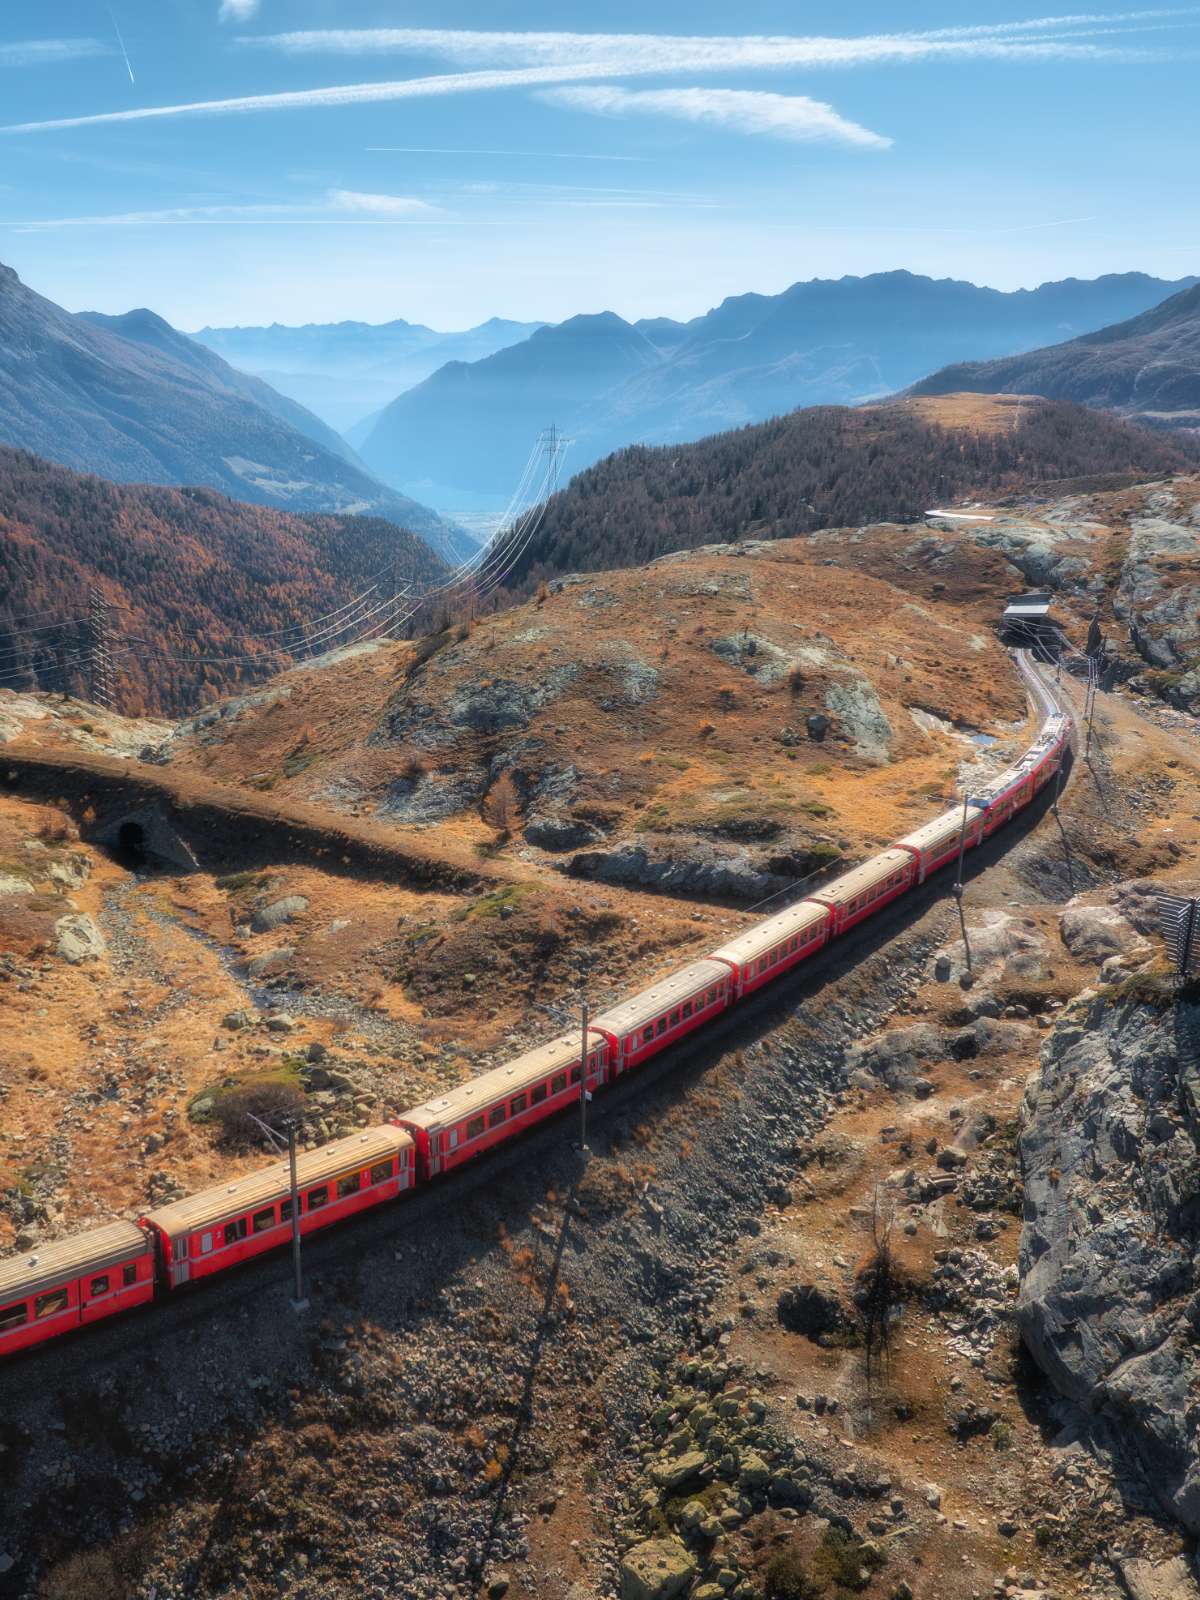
<point x="65" y="1259"/>
<point x="766" y="935"/>
<point x="274" y="1181"/>
<point x="629" y="1014"/>
<point x="500" y="1082"/>
<point x="863" y="877"/>
<point x="934" y="832"/>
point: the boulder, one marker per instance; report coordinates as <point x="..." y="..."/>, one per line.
<point x="78" y="939"/>
<point x="659" y="1569"/>
<point x="1156" y="1580"/>
<point x="278" y="912"/>
<point x="680" y="1472"/>
<point x="560" y="833"/>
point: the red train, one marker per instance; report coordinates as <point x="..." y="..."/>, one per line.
<point x="114" y="1268"/>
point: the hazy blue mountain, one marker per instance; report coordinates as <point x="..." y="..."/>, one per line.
<point x="472" y="425"/>
<point x="345" y="371"/>
<point x="752" y="357"/>
<point x="1147" y="367"/>
<point x="131" y="399"/>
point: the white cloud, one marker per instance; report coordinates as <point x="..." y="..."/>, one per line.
<point x="780" y="116"/>
<point x="49" y="52"/>
<point x="237" y="10"/>
<point x="378" y="205"/>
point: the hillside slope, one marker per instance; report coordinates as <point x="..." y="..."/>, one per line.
<point x="752" y="357"/>
<point x="826" y="467"/>
<point x="1147" y="368"/>
<point x="129" y="398"/>
<point x="187" y="571"/>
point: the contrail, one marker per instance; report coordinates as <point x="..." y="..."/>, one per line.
<point x="121" y="42"/>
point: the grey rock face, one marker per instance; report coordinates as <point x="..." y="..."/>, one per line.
<point x="431" y="797"/>
<point x="560" y="833"/>
<point x="1109" y="1303"/>
<point x="721" y="870"/>
<point x="856" y="706"/>
<point x="1093" y="933"/>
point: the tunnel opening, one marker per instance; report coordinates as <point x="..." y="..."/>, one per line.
<point x="131" y="845"/>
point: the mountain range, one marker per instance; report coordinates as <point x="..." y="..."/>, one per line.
<point x="134" y="400"/>
<point x="347" y="371"/>
<point x="1147" y="368"/>
<point x="608" y="382"/>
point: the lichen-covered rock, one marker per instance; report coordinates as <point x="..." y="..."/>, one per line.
<point x="856" y="707"/>
<point x="279" y="912"/>
<point x="680" y="1472"/>
<point x="659" y="1569"/>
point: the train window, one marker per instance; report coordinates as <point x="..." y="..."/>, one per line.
<point x="381" y="1172"/>
<point x="235" y="1230"/>
<point x="661" y="1026"/>
<point x="285" y="1210"/>
<point x="262" y="1220"/>
<point x="318" y="1197"/>
<point x="574" y="1074"/>
<point x="205" y="1243"/>
<point x="538" y="1093"/>
<point x="474" y="1127"/>
<point x="99" y="1285"/>
<point x="519" y="1103"/>
<point x="129" y="1274"/>
<point x="348" y="1185"/>
<point x="687" y="1008"/>
<point x="558" y="1083"/>
<point x="49" y="1305"/>
<point x="13" y="1316"/>
<point x="675" y="1017"/>
<point x="647" y="1033"/>
<point x="496" y="1116"/>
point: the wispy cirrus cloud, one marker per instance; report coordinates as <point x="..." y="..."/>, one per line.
<point x="545" y="59"/>
<point x="780" y="116"/>
<point x="238" y="10"/>
<point x="50" y="52"/>
<point x="621" y="54"/>
<point x="337" y="206"/>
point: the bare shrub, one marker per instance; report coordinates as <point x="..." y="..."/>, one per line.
<point x="881" y="1288"/>
<point x="271" y="1100"/>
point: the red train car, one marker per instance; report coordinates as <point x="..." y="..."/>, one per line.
<point x="655" y="1017"/>
<point x="462" y="1124"/>
<point x="73" y="1282"/>
<point x="207" y="1232"/>
<point x="864" y="890"/>
<point x="936" y="844"/>
<point x="774" y="946"/>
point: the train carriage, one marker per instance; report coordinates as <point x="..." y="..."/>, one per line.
<point x="656" y="1017"/>
<point x="75" y="1281"/>
<point x="217" y="1228"/>
<point x="937" y="842"/>
<point x="462" y="1124"/>
<point x="773" y="946"/>
<point x="865" y="889"/>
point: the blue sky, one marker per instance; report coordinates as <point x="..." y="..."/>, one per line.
<point x="313" y="160"/>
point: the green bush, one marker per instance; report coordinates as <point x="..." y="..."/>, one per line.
<point x="788" y="1580"/>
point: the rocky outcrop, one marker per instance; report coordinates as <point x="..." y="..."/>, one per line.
<point x="1110" y="1290"/>
<point x="1096" y="933"/>
<point x="856" y="707"/>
